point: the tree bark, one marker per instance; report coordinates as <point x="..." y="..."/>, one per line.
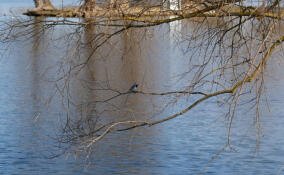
<point x="43" y="5"/>
<point x="123" y="4"/>
<point x="89" y="5"/>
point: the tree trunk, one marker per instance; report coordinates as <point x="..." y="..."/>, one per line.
<point x="89" y="5"/>
<point x="43" y="5"/>
<point x="121" y="4"/>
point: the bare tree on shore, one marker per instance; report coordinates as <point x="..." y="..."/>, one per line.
<point x="43" y="5"/>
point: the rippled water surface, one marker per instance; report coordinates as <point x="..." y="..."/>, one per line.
<point x="31" y="112"/>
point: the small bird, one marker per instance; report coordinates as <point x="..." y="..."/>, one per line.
<point x="133" y="88"/>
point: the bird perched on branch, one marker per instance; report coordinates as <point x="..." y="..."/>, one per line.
<point x="133" y="88"/>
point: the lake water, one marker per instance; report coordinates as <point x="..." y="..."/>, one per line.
<point x="33" y="112"/>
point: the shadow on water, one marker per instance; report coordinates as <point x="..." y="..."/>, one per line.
<point x="36" y="102"/>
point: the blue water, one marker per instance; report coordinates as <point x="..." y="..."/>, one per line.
<point x="186" y="145"/>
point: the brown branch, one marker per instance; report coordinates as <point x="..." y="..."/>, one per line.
<point x="171" y="92"/>
<point x="275" y="3"/>
<point x="207" y="96"/>
<point x="226" y="91"/>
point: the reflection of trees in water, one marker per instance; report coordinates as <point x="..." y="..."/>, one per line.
<point x="207" y="79"/>
<point x="221" y="57"/>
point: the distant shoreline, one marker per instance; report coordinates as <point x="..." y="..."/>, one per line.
<point x="151" y="12"/>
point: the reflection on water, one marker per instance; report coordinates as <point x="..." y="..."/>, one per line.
<point x="33" y="109"/>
